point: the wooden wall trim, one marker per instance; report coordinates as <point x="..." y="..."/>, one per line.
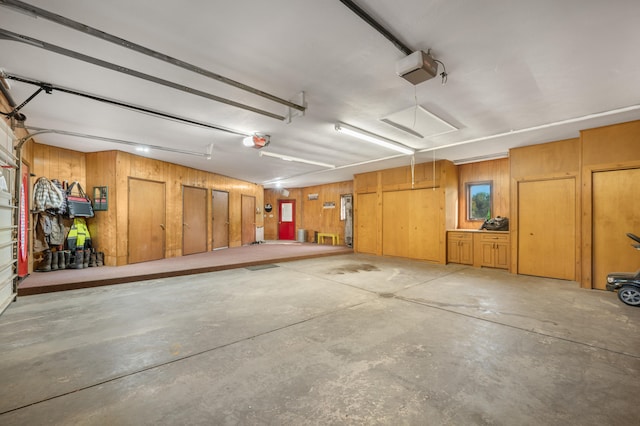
<point x="587" y="216"/>
<point x="515" y="228"/>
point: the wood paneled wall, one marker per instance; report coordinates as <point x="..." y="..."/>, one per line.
<point x="540" y="163"/>
<point x="271" y="219"/>
<point x="552" y="159"/>
<point x="429" y="242"/>
<point x="496" y="171"/>
<point x="310" y="214"/>
<point x="103" y="227"/>
<point x="317" y="218"/>
<point x="109" y="228"/>
<point x="59" y="163"/>
<point x="604" y="149"/>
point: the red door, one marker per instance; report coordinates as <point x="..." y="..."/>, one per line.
<point x="287" y="223"/>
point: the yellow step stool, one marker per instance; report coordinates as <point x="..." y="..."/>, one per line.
<point x="323" y="235"/>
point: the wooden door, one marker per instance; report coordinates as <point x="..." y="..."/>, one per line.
<point x="366" y="225"/>
<point x="395" y="223"/>
<point x="616" y="211"/>
<point x="410" y="224"/>
<point x="248" y="219"/>
<point x="220" y="207"/>
<point x="547" y="228"/>
<point x="424" y="225"/>
<point x="146" y="220"/>
<point x="194" y="220"/>
<point x="286" y="219"/>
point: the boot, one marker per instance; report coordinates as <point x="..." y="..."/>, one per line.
<point x="67" y="258"/>
<point x="45" y="264"/>
<point x="99" y="258"/>
<point x="78" y="260"/>
<point x="61" y="261"/>
<point x="87" y="255"/>
<point x="54" y="260"/>
<point x="93" y="259"/>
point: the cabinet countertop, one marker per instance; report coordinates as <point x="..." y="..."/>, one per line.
<point x="480" y="231"/>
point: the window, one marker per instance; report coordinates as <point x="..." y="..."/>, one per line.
<point x="479" y="200"/>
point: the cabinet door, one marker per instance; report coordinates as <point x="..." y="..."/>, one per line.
<point x="501" y="255"/>
<point x="453" y="250"/>
<point x="366" y="224"/>
<point x="465" y="251"/>
<point x="486" y="254"/>
<point x="409" y="225"/>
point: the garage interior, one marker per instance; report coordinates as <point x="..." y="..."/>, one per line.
<point x="284" y="198"/>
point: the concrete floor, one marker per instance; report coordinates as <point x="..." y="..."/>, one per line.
<point x="349" y="339"/>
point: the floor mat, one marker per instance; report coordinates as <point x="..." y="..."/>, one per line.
<point x="259" y="267"/>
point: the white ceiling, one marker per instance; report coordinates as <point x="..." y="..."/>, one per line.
<point x="520" y="73"/>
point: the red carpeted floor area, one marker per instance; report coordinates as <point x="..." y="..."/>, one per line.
<point x="237" y="257"/>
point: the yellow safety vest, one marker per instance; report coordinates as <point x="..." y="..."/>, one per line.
<point x="78" y="236"/>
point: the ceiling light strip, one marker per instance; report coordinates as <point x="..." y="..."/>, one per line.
<point x="540" y="127"/>
<point x="296" y="159"/>
<point x="39" y="131"/>
<point x="346" y="166"/>
<point x="372" y="138"/>
<point x="9" y="35"/>
<point x="38" y="12"/>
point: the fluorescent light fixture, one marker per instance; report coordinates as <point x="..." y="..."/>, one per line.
<point x="299" y="160"/>
<point x="372" y="138"/>
<point x="138" y="146"/>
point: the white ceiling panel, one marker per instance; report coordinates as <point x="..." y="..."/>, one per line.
<point x="519" y="73"/>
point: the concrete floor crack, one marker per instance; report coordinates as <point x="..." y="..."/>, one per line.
<point x="183" y="358"/>
<point x="589" y="345"/>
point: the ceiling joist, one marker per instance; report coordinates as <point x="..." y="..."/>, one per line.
<point x="59" y="19"/>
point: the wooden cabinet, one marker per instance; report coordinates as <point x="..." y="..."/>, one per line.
<point x="460" y="248"/>
<point x="406" y="211"/>
<point x="491" y="249"/>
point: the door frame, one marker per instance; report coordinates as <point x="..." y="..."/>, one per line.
<point x="206" y="215"/>
<point x="243" y="219"/>
<point x="587" y="217"/>
<point x="164" y="213"/>
<point x="213" y="218"/>
<point x="516" y="231"/>
<point x="280" y="202"/>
